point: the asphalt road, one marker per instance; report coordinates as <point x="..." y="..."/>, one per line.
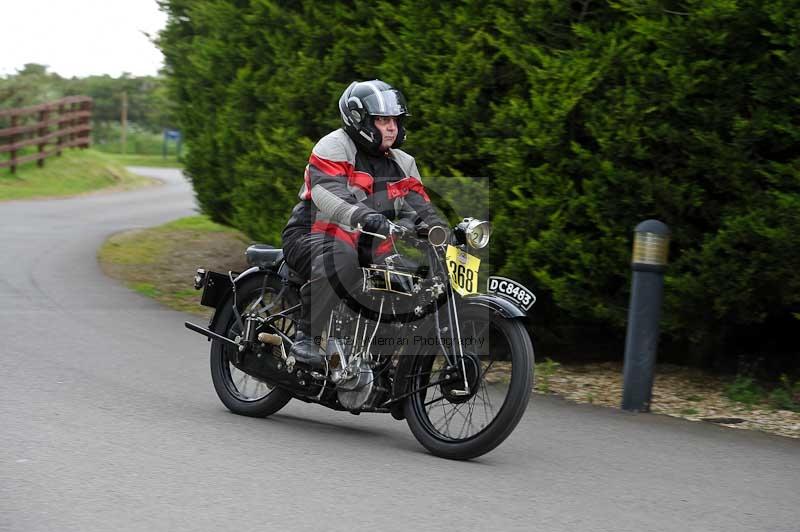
<point x="109" y="421"/>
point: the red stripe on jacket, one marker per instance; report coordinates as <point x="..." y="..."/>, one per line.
<point x="351" y="238"/>
<point x="331" y="229"/>
<point x="362" y="180"/>
<point x="400" y="189"/>
<point x="331" y="167"/>
<point x="343" y="168"/>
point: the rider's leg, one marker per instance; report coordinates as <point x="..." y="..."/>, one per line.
<point x="300" y="252"/>
<point x="334" y="271"/>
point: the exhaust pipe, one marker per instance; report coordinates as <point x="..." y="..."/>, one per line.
<point x="264" y="338"/>
<point x="209" y="334"/>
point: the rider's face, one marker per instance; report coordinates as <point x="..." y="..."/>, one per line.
<point x="387" y="125"/>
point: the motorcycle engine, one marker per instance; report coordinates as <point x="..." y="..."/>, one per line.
<point x="355" y="391"/>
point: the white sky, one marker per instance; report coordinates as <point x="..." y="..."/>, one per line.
<point x="80" y="37"/>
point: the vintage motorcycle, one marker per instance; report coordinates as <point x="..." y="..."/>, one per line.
<point x="428" y="348"/>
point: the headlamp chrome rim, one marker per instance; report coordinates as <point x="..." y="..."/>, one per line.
<point x="477" y="233"/>
<point x="437" y="235"/>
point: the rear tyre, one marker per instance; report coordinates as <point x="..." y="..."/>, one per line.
<point x="241" y="393"/>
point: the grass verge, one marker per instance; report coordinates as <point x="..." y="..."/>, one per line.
<point x="75" y="172"/>
<point x="160" y="262"/>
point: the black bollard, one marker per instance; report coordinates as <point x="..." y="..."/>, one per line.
<point x="650" y="248"/>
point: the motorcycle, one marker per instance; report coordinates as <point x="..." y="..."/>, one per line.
<point x="456" y="364"/>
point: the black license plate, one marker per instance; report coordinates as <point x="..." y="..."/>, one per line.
<point x="511" y="289"/>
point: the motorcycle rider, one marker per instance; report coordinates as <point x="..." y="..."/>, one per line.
<point x="356" y="177"/>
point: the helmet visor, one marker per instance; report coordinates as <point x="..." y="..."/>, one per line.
<point x="389" y="102"/>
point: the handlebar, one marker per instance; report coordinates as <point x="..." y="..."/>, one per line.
<point x="418" y="233"/>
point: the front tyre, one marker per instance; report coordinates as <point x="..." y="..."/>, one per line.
<point x="498" y="364"/>
<point x="242" y="393"/>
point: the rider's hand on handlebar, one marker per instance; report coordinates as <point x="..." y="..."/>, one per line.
<point x="432" y="221"/>
<point x="407" y="228"/>
<point x="376" y="223"/>
<point x="423" y="229"/>
<point x="404" y="225"/>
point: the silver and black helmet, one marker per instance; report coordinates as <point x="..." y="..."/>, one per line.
<point x="362" y="101"/>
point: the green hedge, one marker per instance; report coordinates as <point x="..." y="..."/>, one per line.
<point x="587" y="117"/>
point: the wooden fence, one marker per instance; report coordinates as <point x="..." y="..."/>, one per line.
<point x="60" y="124"/>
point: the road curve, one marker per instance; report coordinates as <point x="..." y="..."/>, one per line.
<point x="108" y="421"/>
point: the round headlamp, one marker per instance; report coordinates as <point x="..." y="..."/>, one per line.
<point x="476" y="232"/>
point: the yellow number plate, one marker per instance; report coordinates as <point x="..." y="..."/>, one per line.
<point x="463" y="269"/>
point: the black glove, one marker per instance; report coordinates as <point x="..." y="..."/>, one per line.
<point x="434" y="220"/>
<point x="406" y="223"/>
<point x="375" y="223"/>
<point x="423" y="228"/>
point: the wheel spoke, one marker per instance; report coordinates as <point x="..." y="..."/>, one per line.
<point x="444" y="414"/>
<point x="489" y="365"/>
<point x="441" y="397"/>
<point x="487" y="399"/>
<point x="448" y="419"/>
<point x="457" y="410"/>
<point x="469" y="419"/>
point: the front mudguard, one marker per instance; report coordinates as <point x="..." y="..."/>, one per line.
<point x="497" y="304"/>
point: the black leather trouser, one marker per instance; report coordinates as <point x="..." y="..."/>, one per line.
<point x="333" y="269"/>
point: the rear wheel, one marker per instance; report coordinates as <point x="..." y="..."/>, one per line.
<point x="242" y="393"/>
<point x="459" y="420"/>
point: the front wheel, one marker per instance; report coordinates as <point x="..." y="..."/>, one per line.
<point x="459" y="420"/>
<point x="242" y="393"/>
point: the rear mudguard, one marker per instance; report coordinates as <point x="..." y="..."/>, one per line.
<point x="279" y="269"/>
<point x="498" y="305"/>
<point x="238" y="280"/>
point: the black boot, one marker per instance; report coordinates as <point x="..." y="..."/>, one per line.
<point x="306" y="349"/>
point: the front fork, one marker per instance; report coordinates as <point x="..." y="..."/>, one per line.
<point x="453" y="311"/>
<point x="453" y="322"/>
